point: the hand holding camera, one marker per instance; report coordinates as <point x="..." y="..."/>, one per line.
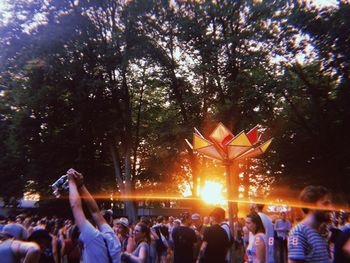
<point x="77" y="177"/>
<point x="62" y="184"/>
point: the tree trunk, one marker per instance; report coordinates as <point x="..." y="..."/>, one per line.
<point x="129" y="205"/>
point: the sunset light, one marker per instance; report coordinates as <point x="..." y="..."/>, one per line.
<point x="212" y="193"/>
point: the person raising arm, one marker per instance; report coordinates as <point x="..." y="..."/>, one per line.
<point x="100" y="245"/>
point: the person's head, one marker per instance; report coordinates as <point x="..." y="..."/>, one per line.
<point x="50" y="227"/>
<point x="177" y="223"/>
<point x="196" y="220"/>
<point x="42" y="221"/>
<point x="254" y="223"/>
<point x="142" y="232"/>
<point x="122" y="226"/>
<point x="27" y="221"/>
<point x="318" y="197"/>
<point x="160" y="219"/>
<point x="19" y="219"/>
<point x="185" y="218"/>
<point x="4" y="236"/>
<point x="171" y="219"/>
<point x="11" y="219"/>
<point x="42" y="238"/>
<point x="206" y="220"/>
<point x="108" y="216"/>
<point x="146" y="220"/>
<point x="74" y="233"/>
<point x="217" y="215"/>
<point x="283" y="215"/>
<point x="259" y="207"/>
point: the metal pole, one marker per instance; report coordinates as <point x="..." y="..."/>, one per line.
<point x="230" y="191"/>
<point x="232" y="206"/>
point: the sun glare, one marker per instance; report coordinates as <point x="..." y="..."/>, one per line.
<point x="211" y="193"/>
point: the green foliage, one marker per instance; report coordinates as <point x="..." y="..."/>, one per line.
<point x="81" y="78"/>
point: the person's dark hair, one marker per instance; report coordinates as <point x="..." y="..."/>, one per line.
<point x="146" y="220"/>
<point x="145" y="229"/>
<point x="50" y="227"/>
<point x="160" y="219"/>
<point x="21" y="217"/>
<point x="74" y="233"/>
<point x="40" y="236"/>
<point x="12" y="218"/>
<point x="311" y="194"/>
<point x="346" y="217"/>
<point x="43" y="221"/>
<point x="256" y="219"/>
<point x="185" y="216"/>
<point x="4" y="236"/>
<point x="108" y="216"/>
<point x="259" y="207"/>
<point x="218" y="213"/>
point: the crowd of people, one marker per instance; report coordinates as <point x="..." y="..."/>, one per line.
<point x="187" y="238"/>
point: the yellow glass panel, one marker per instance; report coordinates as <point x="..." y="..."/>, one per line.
<point x="240" y="140"/>
<point x="265" y="145"/>
<point x="199" y="142"/>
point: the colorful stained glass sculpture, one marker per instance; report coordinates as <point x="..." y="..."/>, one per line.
<point x="223" y="145"/>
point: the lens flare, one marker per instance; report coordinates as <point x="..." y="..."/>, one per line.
<point x="211" y="193"/>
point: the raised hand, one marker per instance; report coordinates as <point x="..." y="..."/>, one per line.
<point x="78" y="177"/>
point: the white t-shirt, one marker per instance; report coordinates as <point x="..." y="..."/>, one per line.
<point x="95" y="241"/>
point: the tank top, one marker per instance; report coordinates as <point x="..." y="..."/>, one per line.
<point x="251" y="249"/>
<point x="138" y="248"/>
<point x="6" y="253"/>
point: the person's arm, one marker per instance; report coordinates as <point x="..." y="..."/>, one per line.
<point x="92" y="206"/>
<point x="202" y="251"/>
<point x="142" y="258"/>
<point x="75" y="202"/>
<point x="346" y="247"/>
<point x="88" y="199"/>
<point x="195" y="238"/>
<point x="55" y="248"/>
<point x="27" y="250"/>
<point x="130" y="247"/>
<point x="260" y="250"/>
<point x="63" y="249"/>
<point x="154" y="234"/>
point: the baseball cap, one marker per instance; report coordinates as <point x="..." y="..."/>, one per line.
<point x="123" y="221"/>
<point x="195" y="217"/>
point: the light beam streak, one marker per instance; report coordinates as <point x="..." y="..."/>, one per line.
<point x="136" y="197"/>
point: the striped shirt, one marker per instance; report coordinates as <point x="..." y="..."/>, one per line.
<point x="306" y="244"/>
